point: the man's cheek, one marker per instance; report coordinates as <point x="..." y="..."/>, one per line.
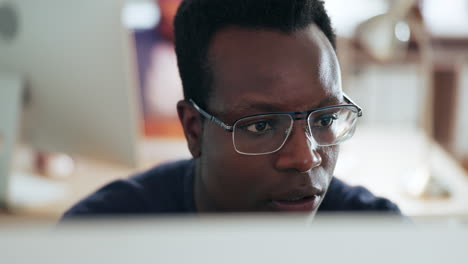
<point x="217" y="148"/>
<point x="329" y="157"/>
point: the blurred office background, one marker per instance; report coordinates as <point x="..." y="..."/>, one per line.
<point x="404" y="62"/>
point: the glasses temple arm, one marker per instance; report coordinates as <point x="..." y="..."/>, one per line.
<point x="211" y="117"/>
<point x="346" y="97"/>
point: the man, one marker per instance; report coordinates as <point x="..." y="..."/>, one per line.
<point x="263" y="115"/>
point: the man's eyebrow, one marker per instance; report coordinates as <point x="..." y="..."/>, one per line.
<point x="267" y="107"/>
<point x="246" y="108"/>
<point x="330" y="101"/>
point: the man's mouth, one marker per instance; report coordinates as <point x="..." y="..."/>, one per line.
<point x="297" y="203"/>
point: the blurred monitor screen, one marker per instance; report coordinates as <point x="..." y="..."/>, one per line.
<point x="76" y="60"/>
<point x="234" y="239"/>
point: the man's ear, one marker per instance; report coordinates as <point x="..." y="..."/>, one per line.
<point x="191" y="123"/>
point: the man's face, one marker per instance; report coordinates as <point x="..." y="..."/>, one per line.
<point x="260" y="71"/>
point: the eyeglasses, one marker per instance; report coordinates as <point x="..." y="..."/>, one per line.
<point x="266" y="133"/>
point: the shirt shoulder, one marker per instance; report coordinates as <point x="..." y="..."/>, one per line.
<point x="343" y="197"/>
<point x="162" y="189"/>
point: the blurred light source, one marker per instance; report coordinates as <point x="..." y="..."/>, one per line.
<point x="385" y="37"/>
<point x="380" y="37"/>
<point x="402" y="31"/>
<point x="141" y="15"/>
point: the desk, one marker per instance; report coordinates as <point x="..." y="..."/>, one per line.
<point x="380" y="159"/>
<point x="88" y="176"/>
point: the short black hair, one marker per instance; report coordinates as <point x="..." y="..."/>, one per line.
<point x="197" y="21"/>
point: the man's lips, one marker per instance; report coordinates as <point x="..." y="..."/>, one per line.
<point x="297" y="204"/>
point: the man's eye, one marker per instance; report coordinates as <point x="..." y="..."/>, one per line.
<point x="326" y="121"/>
<point x="258" y="127"/>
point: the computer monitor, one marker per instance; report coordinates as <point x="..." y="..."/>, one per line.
<point x="76" y="61"/>
<point x="236" y="239"/>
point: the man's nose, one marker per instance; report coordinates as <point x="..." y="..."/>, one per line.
<point x="299" y="151"/>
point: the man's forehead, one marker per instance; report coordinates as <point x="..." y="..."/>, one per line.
<point x="235" y="48"/>
<point x="329" y="67"/>
<point x="249" y="64"/>
<point x="246" y="39"/>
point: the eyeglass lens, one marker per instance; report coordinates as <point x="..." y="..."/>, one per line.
<point x="267" y="133"/>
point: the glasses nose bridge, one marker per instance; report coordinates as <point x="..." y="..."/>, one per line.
<point x="298" y="116"/>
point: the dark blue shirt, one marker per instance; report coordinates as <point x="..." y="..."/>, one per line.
<point x="168" y="189"/>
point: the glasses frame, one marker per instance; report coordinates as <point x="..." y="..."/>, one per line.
<point x="294" y="116"/>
